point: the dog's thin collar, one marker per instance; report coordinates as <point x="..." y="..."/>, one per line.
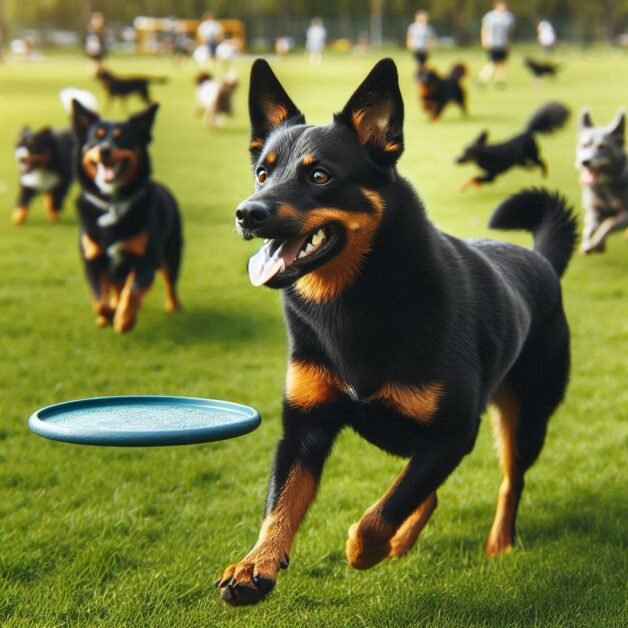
<point x="113" y="210"/>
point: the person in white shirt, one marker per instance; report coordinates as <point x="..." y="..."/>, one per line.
<point x="315" y="37"/>
<point x="497" y="26"/>
<point x="546" y="36"/>
<point x="211" y="33"/>
<point x="420" y="37"/>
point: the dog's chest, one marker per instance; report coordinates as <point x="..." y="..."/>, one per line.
<point x="40" y="180"/>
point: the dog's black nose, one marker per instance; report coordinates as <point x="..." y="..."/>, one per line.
<point x="252" y="214"/>
<point x="586" y="163"/>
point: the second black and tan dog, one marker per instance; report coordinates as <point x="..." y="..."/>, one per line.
<point x="397" y="330"/>
<point x="130" y="226"/>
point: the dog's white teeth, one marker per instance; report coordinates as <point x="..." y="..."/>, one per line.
<point x="310" y="248"/>
<point x="318" y="237"/>
<point x="302" y="254"/>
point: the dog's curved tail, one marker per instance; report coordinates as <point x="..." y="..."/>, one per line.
<point x="548" y="118"/>
<point x="548" y="217"/>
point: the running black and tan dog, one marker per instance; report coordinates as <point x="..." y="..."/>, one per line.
<point x="45" y="160"/>
<point x="130" y="226"/>
<point x="122" y="87"/>
<point x="397" y="330"/>
<point x="437" y="91"/>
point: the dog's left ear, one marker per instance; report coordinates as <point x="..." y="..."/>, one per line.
<point x="375" y="113"/>
<point x="82" y="119"/>
<point x="269" y="106"/>
<point x="143" y="122"/>
<point x="618" y="126"/>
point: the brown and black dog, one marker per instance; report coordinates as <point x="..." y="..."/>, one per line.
<point x="437" y="91"/>
<point x="397" y="330"/>
<point x="117" y="86"/>
<point x="130" y="225"/>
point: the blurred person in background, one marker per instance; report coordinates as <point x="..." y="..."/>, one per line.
<point x="497" y="27"/>
<point x="420" y="37"/>
<point x="315" y="37"/>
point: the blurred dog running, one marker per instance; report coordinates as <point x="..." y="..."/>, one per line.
<point x="521" y="150"/>
<point x="214" y="97"/>
<point x="436" y="91"/>
<point x="603" y="164"/>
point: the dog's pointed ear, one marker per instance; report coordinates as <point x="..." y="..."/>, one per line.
<point x="618" y="125"/>
<point x="482" y="138"/>
<point x="269" y="106"/>
<point x="143" y="121"/>
<point x="375" y="113"/>
<point x="82" y="119"/>
<point x="585" y="120"/>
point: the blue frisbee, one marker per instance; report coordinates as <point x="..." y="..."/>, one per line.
<point x="143" y="421"/>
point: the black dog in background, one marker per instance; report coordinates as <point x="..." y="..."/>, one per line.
<point x="45" y="161"/>
<point x="122" y="87"/>
<point x="397" y="330"/>
<point x="541" y="68"/>
<point x="436" y="91"/>
<point x="130" y="225"/>
<point x="521" y="150"/>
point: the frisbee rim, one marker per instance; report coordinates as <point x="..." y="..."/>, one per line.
<point x="39" y="422"/>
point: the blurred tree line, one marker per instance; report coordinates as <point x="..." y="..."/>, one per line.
<point x="588" y="19"/>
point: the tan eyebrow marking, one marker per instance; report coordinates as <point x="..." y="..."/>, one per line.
<point x="271" y="158"/>
<point x="308" y="160"/>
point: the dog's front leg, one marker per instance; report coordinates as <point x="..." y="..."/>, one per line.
<point x="609" y="225"/>
<point x="301" y="453"/>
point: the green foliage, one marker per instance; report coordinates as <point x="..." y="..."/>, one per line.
<point x="101" y="536"/>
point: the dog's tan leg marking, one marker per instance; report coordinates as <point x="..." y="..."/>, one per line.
<point x="505" y="422"/>
<point x="130" y="301"/>
<point x="91" y="249"/>
<point x="172" y="300"/>
<point x="369" y="540"/>
<point x="49" y="206"/>
<point x="407" y="535"/>
<point x="277" y="533"/>
<point x="101" y="306"/>
<point x="309" y="385"/>
<point x="416" y="402"/>
<point x="19" y="215"/>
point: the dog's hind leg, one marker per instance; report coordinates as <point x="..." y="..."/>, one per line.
<point x="524" y="403"/>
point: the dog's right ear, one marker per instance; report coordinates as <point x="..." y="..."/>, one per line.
<point x="585" y="121"/>
<point x="618" y="125"/>
<point x="269" y="106"/>
<point x="481" y="138"/>
<point x="82" y="119"/>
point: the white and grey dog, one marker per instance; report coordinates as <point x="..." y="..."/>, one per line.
<point x="603" y="164"/>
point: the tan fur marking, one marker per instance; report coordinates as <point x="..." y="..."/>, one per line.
<point x="332" y="278"/>
<point x="369" y="539"/>
<point x="417" y="402"/>
<point x="172" y="300"/>
<point x="370" y="124"/>
<point x="407" y="535"/>
<point x="91" y="250"/>
<point x="256" y="144"/>
<point x="137" y="245"/>
<point x="19" y="215"/>
<point x="308" y="160"/>
<point x="275" y="113"/>
<point x="130" y="301"/>
<point x="90" y="158"/>
<point x="505" y="422"/>
<point x="308" y="385"/>
<point x="271" y="158"/>
<point x="49" y="206"/>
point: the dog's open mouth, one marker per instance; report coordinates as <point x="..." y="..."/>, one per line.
<point x="283" y="261"/>
<point x="111" y="172"/>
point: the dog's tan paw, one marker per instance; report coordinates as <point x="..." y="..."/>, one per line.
<point x="250" y="580"/>
<point x="364" y="552"/>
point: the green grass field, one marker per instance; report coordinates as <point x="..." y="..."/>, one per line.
<point x="105" y="536"/>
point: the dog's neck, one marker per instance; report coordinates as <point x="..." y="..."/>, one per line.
<point x="114" y="208"/>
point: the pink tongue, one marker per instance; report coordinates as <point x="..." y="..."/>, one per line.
<point x="263" y="267"/>
<point x="110" y="174"/>
<point x="588" y="176"/>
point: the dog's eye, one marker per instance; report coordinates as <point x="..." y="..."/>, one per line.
<point x="320" y="177"/>
<point x="261" y="175"/>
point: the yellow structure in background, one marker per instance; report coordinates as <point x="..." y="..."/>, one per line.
<point x="155" y="35"/>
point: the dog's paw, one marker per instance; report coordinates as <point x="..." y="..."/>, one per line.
<point x="364" y="552"/>
<point x="19" y="215"/>
<point x="250" y="580"/>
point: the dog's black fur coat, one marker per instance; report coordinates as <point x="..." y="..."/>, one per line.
<point x="124" y="86"/>
<point x="477" y="316"/>
<point x="520" y="150"/>
<point x="437" y="91"/>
